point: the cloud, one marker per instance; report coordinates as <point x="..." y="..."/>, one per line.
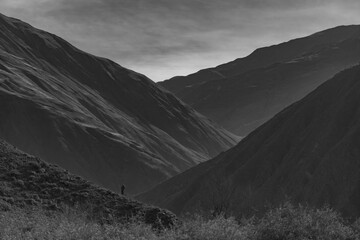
<point x="163" y="38"/>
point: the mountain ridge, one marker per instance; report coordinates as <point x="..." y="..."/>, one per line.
<point x="87" y="114"/>
<point x="308" y="152"/>
<point x="250" y="90"/>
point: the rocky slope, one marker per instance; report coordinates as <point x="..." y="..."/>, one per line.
<point x="308" y="153"/>
<point x="243" y="94"/>
<point x="93" y="117"/>
<point x="26" y="181"/>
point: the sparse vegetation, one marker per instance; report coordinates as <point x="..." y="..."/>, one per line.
<point x="286" y="222"/>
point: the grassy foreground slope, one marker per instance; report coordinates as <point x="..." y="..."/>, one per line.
<point x="33" y="194"/>
<point x="26" y="181"/>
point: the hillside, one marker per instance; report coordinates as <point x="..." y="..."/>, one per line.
<point x="308" y="153"/>
<point x="26" y="181"/>
<point x="243" y="94"/>
<point x="93" y="117"/>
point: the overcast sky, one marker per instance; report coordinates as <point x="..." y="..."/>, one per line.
<point x="165" y="38"/>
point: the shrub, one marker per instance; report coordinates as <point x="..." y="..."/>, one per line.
<point x="289" y="222"/>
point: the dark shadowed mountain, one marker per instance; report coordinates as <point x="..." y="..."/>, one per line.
<point x="26" y="181"/>
<point x="243" y="94"/>
<point x="309" y="152"/>
<point x="93" y="117"/>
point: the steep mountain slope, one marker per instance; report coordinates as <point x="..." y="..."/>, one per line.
<point x="93" y="117"/>
<point x="243" y="94"/>
<point x="309" y="152"/>
<point x="28" y="181"/>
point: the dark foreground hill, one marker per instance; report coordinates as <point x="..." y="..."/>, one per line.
<point x="26" y="181"/>
<point x="243" y="94"/>
<point x="93" y="117"/>
<point x="309" y="152"/>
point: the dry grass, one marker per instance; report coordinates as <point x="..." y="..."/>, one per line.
<point x="285" y="222"/>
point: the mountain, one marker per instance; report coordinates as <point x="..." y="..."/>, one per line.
<point x="93" y="117"/>
<point x="243" y="94"/>
<point x="309" y="153"/>
<point x="27" y="181"/>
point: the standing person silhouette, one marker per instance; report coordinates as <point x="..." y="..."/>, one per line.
<point x="123" y="189"/>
